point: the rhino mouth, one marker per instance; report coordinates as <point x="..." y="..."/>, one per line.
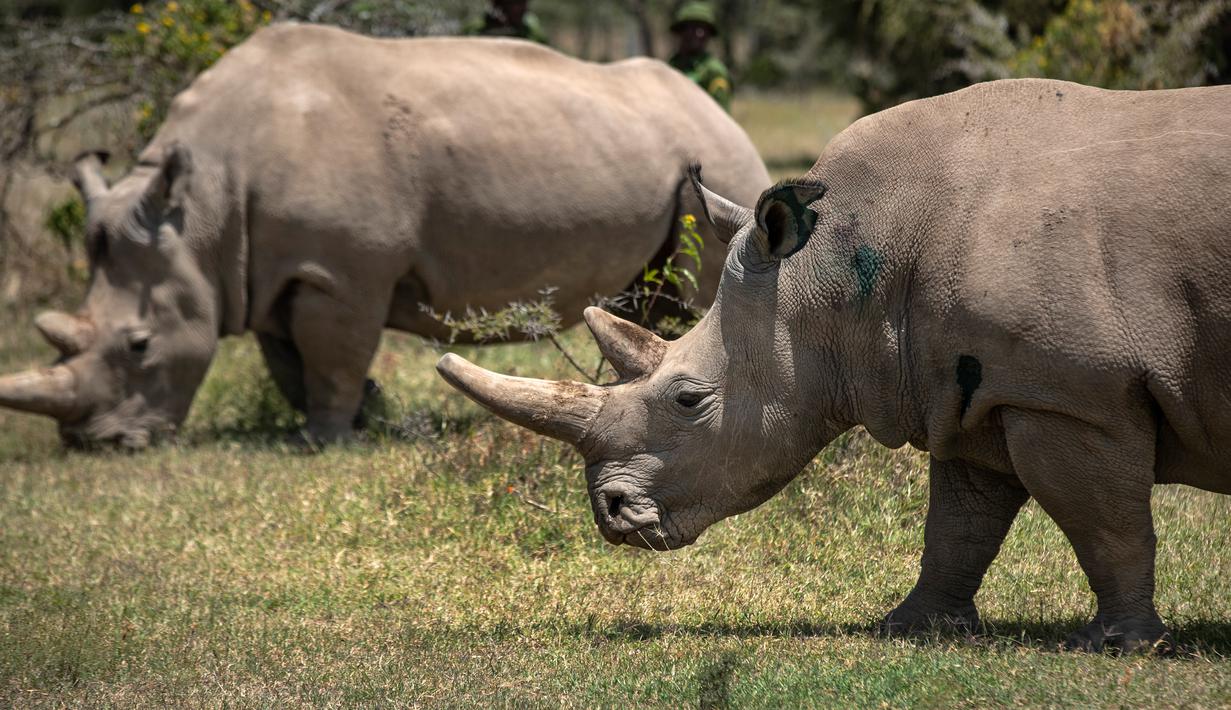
<point x="629" y="518"/>
<point x="98" y="436"/>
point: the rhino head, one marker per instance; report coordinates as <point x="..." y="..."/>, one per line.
<point x="133" y="356"/>
<point x="706" y="426"/>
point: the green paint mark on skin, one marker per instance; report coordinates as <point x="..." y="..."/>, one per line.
<point x="867" y="265"/>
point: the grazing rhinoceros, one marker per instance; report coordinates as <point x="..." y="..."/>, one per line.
<point x="1031" y="280"/>
<point x="316" y="186"/>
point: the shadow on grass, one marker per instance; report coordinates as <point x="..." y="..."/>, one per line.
<point x="429" y="426"/>
<point x="1195" y="638"/>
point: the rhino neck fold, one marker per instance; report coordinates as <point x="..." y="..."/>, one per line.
<point x="867" y="362"/>
<point x="220" y="239"/>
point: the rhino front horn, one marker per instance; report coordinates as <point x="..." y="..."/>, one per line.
<point x="70" y="335"/>
<point x="561" y="410"/>
<point x="51" y="392"/>
<point x="632" y="350"/>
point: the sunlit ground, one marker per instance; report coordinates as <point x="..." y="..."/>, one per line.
<point x="451" y="560"/>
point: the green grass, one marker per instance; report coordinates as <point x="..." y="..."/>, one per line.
<point x="791" y="130"/>
<point x="420" y="568"/>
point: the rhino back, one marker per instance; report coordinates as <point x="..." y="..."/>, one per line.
<point x="480" y="165"/>
<point x="1072" y="243"/>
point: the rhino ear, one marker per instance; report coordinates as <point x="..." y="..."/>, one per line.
<point x="169" y="186"/>
<point x="726" y="216"/>
<point x="88" y="174"/>
<point x="783" y="217"/>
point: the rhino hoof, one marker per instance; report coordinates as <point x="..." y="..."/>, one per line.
<point x="1118" y="637"/>
<point x="909" y="620"/>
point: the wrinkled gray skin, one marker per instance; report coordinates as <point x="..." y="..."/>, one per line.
<point x="316" y="186"/>
<point x="1031" y="280"/>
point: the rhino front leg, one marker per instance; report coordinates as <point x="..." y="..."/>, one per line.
<point x="970" y="510"/>
<point x="1095" y="482"/>
<point x="336" y="342"/>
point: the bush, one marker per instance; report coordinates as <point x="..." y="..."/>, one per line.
<point x="170" y="43"/>
<point x="66" y="220"/>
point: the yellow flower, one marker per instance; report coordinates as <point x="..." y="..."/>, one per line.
<point x="690" y="222"/>
<point x="143" y="28"/>
<point x="137" y="9"/>
<point x="172" y="6"/>
<point x="266" y="16"/>
<point x="168" y="22"/>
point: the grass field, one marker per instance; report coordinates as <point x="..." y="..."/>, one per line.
<point x="450" y="560"/>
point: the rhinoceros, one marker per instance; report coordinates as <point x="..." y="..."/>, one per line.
<point x="1028" y="279"/>
<point x="316" y="186"/>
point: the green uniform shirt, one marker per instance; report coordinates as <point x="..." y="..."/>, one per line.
<point x="710" y="74"/>
<point x="490" y="26"/>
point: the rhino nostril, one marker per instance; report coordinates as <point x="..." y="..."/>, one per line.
<point x="613" y="506"/>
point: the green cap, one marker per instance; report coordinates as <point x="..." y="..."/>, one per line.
<point x="695" y="12"/>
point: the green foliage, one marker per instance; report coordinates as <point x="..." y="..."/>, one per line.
<point x="1090" y="42"/>
<point x="170" y="43"/>
<point x="671" y="280"/>
<point x="901" y="50"/>
<point x="520" y="320"/>
<point x="66" y="220"/>
<point x="538" y="319"/>
<point x="890" y="51"/>
<point x="1119" y="44"/>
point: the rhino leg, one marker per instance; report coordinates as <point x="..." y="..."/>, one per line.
<point x="1095" y="482"/>
<point x="336" y="342"/>
<point x="970" y="510"/>
<point x="286" y="367"/>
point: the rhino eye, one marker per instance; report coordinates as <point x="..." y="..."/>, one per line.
<point x="688" y="400"/>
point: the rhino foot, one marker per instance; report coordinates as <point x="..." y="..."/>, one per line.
<point x="375" y="406"/>
<point x="911" y="619"/>
<point x="1122" y="636"/>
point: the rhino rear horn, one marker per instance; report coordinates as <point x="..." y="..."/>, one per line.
<point x="561" y="410"/>
<point x="632" y="350"/>
<point x="726" y="216"/>
<point x="88" y="174"/>
<point x="51" y="392"/>
<point x="71" y="335"/>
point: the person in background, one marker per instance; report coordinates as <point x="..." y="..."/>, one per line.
<point x="509" y="18"/>
<point x="693" y="28"/>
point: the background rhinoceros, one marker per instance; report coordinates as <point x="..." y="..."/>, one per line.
<point x="1029" y="279"/>
<point x="316" y="186"/>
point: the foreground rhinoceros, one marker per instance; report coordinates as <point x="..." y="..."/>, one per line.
<point x="316" y="186"/>
<point x="1031" y="280"/>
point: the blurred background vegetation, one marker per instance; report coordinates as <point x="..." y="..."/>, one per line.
<point x="82" y="74"/>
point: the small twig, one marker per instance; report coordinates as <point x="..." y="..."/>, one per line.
<point x="570" y="359"/>
<point x="598" y="369"/>
<point x="326" y="7"/>
<point x="535" y="504"/>
<point x="90" y="105"/>
<point x="95" y="47"/>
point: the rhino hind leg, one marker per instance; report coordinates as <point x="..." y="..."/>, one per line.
<point x="1095" y="482"/>
<point x="970" y="510"/>
<point x="286" y="368"/>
